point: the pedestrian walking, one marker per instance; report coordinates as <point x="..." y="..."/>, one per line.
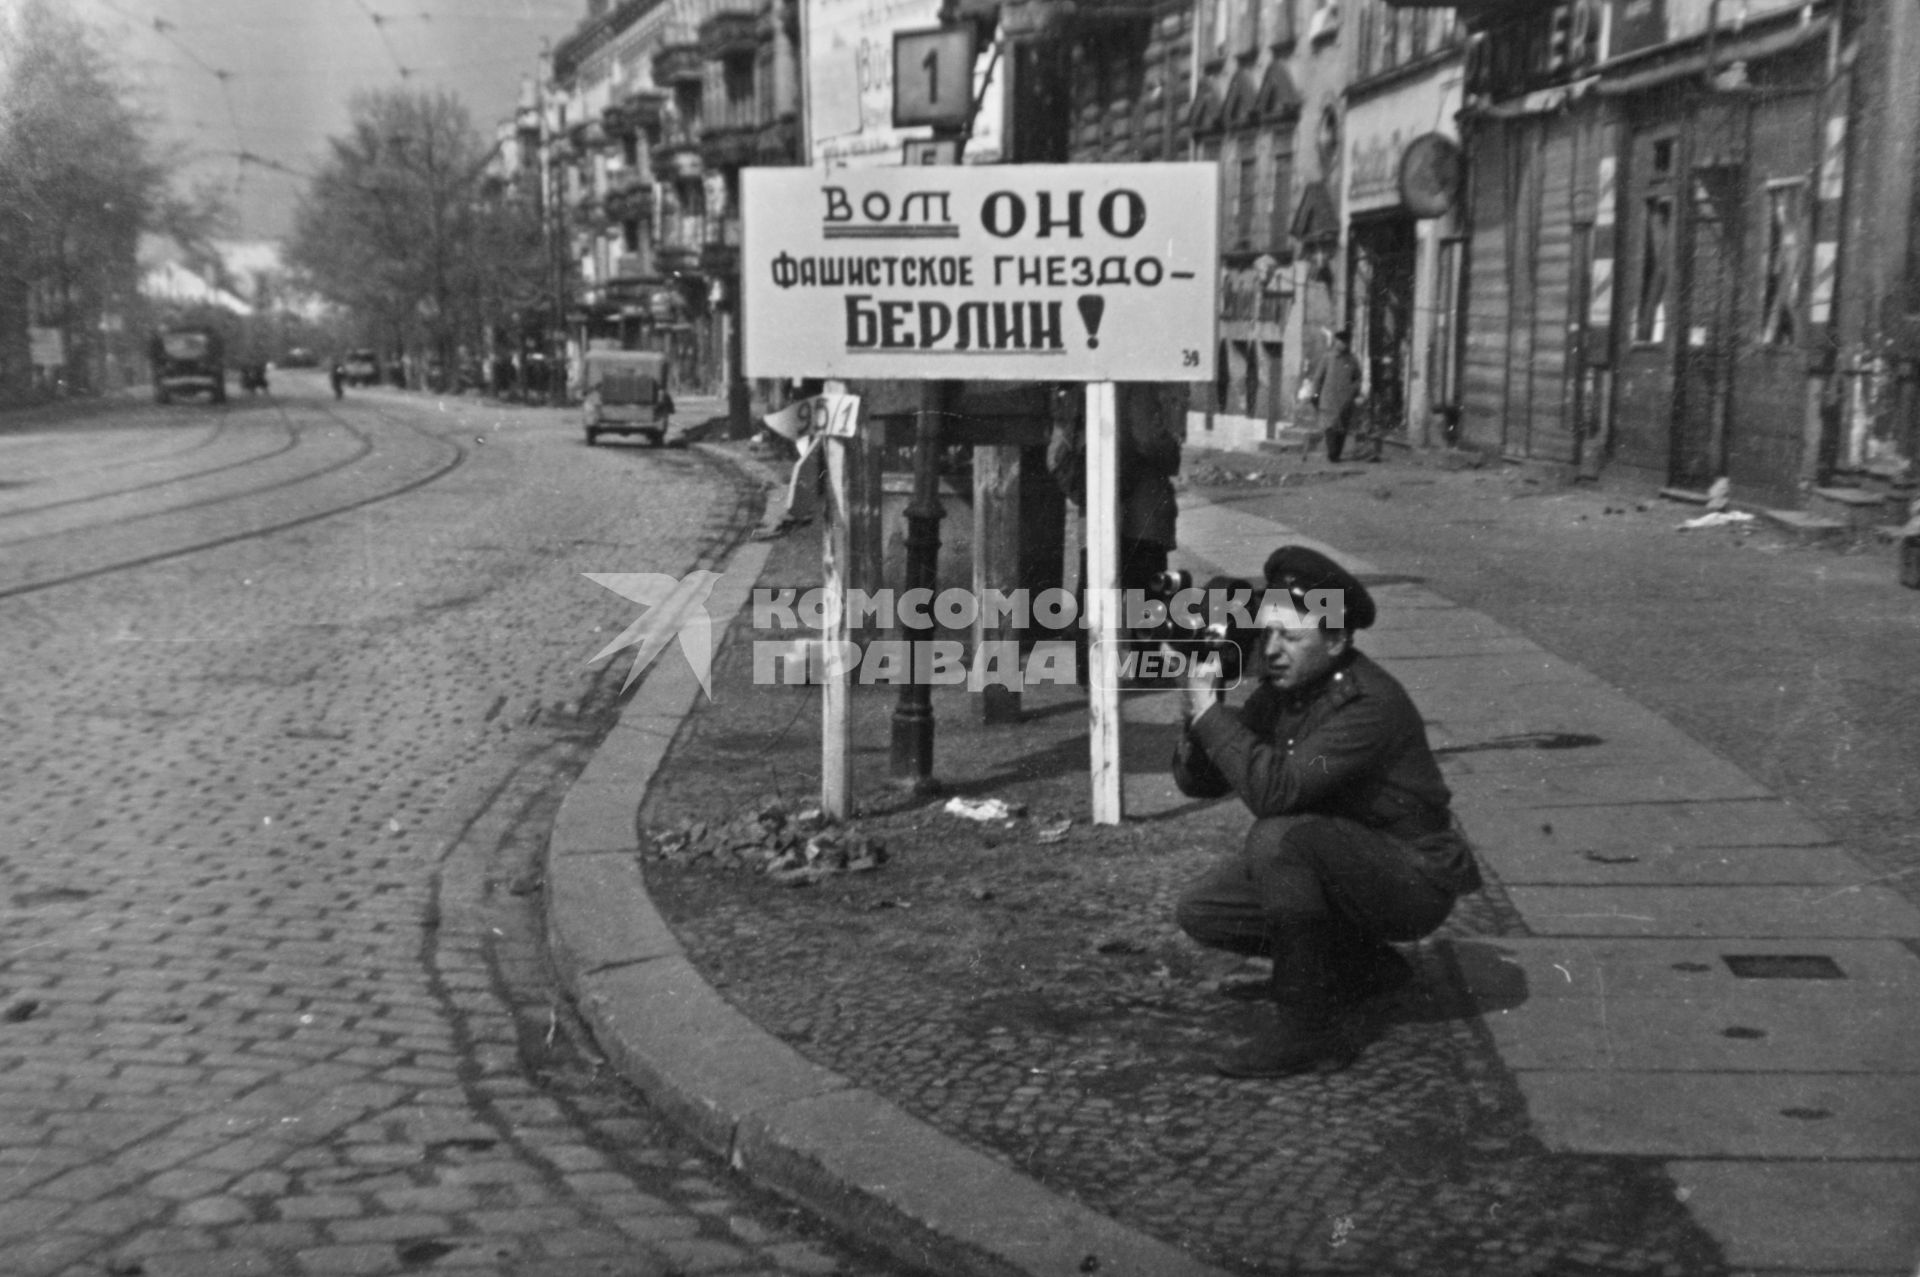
<point x="1353" y="845"/>
<point x="337" y="377"/>
<point x="1336" y="391"/>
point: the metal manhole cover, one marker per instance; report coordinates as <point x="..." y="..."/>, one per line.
<point x="1783" y="966"/>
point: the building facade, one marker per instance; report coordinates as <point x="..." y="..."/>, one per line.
<point x="1658" y="241"/>
<point x="661" y="103"/>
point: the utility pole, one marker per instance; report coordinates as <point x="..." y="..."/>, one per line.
<point x="553" y="223"/>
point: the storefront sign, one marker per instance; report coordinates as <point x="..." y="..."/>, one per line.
<point x="1037" y="272"/>
<point x="1431" y="169"/>
<point x="1380" y="134"/>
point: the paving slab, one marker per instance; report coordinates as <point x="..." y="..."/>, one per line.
<point x="1836" y="1028"/>
<point x="1540" y="864"/>
<point x="1791" y="911"/>
<point x="1759" y="822"/>
<point x="1584" y="967"/>
<point x="1691" y="778"/>
<point x="1825" y="1217"/>
<point x="1725" y="1115"/>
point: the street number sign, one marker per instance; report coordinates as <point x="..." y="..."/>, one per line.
<point x="933" y="77"/>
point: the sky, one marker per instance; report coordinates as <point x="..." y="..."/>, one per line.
<point x="272" y="78"/>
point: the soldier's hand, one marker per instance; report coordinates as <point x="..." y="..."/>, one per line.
<point x="1200" y="690"/>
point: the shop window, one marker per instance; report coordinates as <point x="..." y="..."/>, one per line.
<point x="1246" y="197"/>
<point x="1780" y="288"/>
<point x="1656" y="271"/>
<point x="1282" y="194"/>
<point x="737" y="78"/>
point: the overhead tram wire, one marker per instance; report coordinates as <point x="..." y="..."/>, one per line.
<point x="166" y="29"/>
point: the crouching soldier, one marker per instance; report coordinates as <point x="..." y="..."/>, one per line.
<point x="1353" y="846"/>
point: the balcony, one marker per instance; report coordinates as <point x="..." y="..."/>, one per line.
<point x="586" y="137"/>
<point x="633" y="205"/>
<point x="727" y="146"/>
<point x="677" y="259"/>
<point x="629" y="268"/>
<point x="677" y="159"/>
<point x="683" y="63"/>
<point x="777" y="143"/>
<point x="731" y="33"/>
<point x="639" y="112"/>
<point x="719" y="259"/>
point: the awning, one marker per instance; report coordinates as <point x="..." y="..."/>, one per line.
<point x="1206" y="113"/>
<point x="1242" y="93"/>
<point x="1279" y="98"/>
<point x="1317" y="218"/>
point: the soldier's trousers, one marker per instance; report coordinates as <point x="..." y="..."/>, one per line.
<point x="1344" y="879"/>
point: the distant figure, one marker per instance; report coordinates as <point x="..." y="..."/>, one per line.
<point x="337" y="377"/>
<point x="1336" y="391"/>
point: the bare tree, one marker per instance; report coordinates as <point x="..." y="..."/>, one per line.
<point x="402" y="228"/>
<point x="78" y="184"/>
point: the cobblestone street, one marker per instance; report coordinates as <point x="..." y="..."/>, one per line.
<point x="292" y="691"/>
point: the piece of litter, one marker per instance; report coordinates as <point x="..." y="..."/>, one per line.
<point x="1054" y="833"/>
<point x="1717" y="519"/>
<point x="981" y="808"/>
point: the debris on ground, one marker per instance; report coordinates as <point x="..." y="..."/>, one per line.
<point x="1056" y="832"/>
<point x="1719" y="493"/>
<point x="795" y="848"/>
<point x="1716" y="519"/>
<point x="983" y="809"/>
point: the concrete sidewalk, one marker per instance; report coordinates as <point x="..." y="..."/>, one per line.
<point x="1705" y="980"/>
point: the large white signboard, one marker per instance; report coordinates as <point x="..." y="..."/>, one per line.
<point x="849" y="56"/>
<point x="1030" y="272"/>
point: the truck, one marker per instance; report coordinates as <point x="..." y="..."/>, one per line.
<point x="188" y="360"/>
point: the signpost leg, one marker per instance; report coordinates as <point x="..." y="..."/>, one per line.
<point x="912" y="754"/>
<point x="996" y="561"/>
<point x="836" y="732"/>
<point x="1103" y="601"/>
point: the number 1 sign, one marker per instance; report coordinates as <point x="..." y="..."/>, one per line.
<point x="933" y="77"/>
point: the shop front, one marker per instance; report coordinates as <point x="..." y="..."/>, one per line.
<point x="1404" y="179"/>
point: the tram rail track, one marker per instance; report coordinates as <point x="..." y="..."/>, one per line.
<point x="457" y="455"/>
<point x="221" y="429"/>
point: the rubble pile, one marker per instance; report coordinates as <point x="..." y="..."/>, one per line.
<point x="794" y="849"/>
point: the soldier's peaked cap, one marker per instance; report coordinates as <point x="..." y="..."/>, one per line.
<point x="1297" y="569"/>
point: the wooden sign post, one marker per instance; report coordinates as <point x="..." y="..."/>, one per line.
<point x="1103" y="601"/>
<point x="834" y="416"/>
